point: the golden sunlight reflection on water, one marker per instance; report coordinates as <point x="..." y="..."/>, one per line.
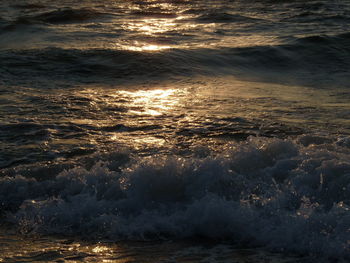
<point x="146" y="47"/>
<point x="151" y="115"/>
<point x="156" y="33"/>
<point x="150" y="102"/>
<point x="132" y="115"/>
<point x="50" y="249"/>
<point x="100" y="248"/>
<point x="148" y="27"/>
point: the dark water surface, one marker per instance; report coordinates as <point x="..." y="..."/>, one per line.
<point x="174" y="131"/>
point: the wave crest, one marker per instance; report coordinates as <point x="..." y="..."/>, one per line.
<point x="288" y="62"/>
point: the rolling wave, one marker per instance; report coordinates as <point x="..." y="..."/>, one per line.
<point x="306" y="55"/>
<point x="91" y="65"/>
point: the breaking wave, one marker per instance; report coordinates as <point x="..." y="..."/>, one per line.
<point x="290" y="195"/>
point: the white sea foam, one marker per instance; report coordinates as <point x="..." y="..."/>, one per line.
<point x="275" y="193"/>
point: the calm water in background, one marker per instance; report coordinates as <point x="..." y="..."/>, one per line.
<point x="222" y="123"/>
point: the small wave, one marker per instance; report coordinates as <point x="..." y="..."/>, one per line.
<point x="3" y="23"/>
<point x="93" y="65"/>
<point x="124" y="128"/>
<point x="223" y="17"/>
<point x="29" y="6"/>
<point x="17" y="127"/>
<point x="24" y="132"/>
<point x="194" y="11"/>
<point x="339" y="41"/>
<point x="155" y="14"/>
<point x="262" y="192"/>
<point x="61" y="16"/>
<point x="313" y="17"/>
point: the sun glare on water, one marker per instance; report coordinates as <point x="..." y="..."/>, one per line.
<point x="145" y="47"/>
<point x="148" y="27"/>
<point x="151" y="102"/>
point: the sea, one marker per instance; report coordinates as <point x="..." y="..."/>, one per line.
<point x="175" y="131"/>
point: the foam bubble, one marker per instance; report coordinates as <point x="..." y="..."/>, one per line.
<point x="267" y="192"/>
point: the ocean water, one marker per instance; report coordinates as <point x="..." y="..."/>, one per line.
<point x="174" y="131"/>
